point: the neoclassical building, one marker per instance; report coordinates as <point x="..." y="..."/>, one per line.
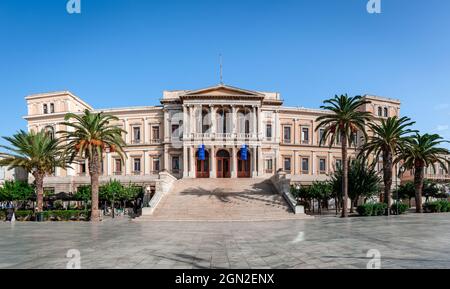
<point x="214" y="132"/>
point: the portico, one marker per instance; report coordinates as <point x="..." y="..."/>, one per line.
<point x="223" y="120"/>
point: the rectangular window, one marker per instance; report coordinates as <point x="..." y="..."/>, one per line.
<point x="136" y="134"/>
<point x="305" y="165"/>
<point x="175" y="164"/>
<point x="321" y="133"/>
<point x="305" y="135"/>
<point x="338" y="164"/>
<point x="269" y="131"/>
<point x="287" y="134"/>
<point x="118" y="166"/>
<point x="82" y="168"/>
<point x="155" y="132"/>
<point x="338" y="138"/>
<point x="269" y="166"/>
<point x="287" y="164"/>
<point x="156" y="165"/>
<point x="322" y="166"/>
<point x="175" y="130"/>
<point x="137" y="165"/>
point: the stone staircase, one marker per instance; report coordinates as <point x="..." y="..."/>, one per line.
<point x="222" y="200"/>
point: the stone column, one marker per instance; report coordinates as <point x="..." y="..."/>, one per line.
<point x="192" y="163"/>
<point x="233" y="120"/>
<point x="260" y="162"/>
<point x="212" y="168"/>
<point x="277" y="134"/>
<point x="294" y="162"/>
<point x="313" y="163"/>
<point x="185" y="122"/>
<point x="253" y="163"/>
<point x="127" y="129"/>
<point x="213" y="110"/>
<point x="233" y="162"/>
<point x="146" y="136"/>
<point x="109" y="162"/>
<point x="166" y="158"/>
<point x="147" y="163"/>
<point x="254" y="125"/>
<point x="128" y="165"/>
<point x="260" y="124"/>
<point x="166" y="126"/>
<point x="185" y="162"/>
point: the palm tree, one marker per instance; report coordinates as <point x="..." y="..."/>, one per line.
<point x="420" y="152"/>
<point x="345" y="119"/>
<point x="37" y="153"/>
<point x="91" y="136"/>
<point x="388" y="139"/>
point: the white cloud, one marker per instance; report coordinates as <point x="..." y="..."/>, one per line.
<point x="442" y="127"/>
<point x="441" y="106"/>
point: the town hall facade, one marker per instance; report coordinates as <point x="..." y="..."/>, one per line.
<point x="215" y="132"/>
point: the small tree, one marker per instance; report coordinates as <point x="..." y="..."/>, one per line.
<point x="83" y="194"/>
<point x="36" y="152"/>
<point x="112" y="191"/>
<point x="363" y="181"/>
<point x="17" y="192"/>
<point x="405" y="191"/>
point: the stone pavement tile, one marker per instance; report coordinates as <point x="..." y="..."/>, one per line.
<point x="411" y="241"/>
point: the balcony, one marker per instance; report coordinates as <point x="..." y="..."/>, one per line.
<point x="155" y="141"/>
<point x="118" y="173"/>
<point x="136" y="141"/>
<point x="223" y="136"/>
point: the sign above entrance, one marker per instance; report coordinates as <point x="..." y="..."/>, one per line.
<point x="244" y="152"/>
<point x="201" y="152"/>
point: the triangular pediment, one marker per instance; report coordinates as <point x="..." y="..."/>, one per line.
<point x="223" y="90"/>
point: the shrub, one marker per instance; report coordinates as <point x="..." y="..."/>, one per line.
<point x="379" y="209"/>
<point x="399" y="208"/>
<point x="436" y="207"/>
<point x="24" y="215"/>
<point x="66" y="215"/>
<point x="58" y="204"/>
<point x="445" y="205"/>
<point x="365" y="210"/>
<point x="2" y="215"/>
<point x="432" y="207"/>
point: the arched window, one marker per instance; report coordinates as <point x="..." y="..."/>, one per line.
<point x="386" y="113"/>
<point x="222" y="119"/>
<point x="244" y="121"/>
<point x="50" y="131"/>
<point x="206" y="121"/>
<point x="52" y="108"/>
<point x="380" y="113"/>
<point x="45" y="108"/>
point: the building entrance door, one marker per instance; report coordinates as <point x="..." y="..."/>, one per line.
<point x="202" y="166"/>
<point x="223" y="164"/>
<point x="243" y="166"/>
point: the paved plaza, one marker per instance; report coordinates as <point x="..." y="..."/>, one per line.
<point x="410" y="241"/>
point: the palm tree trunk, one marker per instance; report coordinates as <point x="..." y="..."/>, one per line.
<point x="387" y="178"/>
<point x="418" y="184"/>
<point x="344" y="176"/>
<point x="39" y="179"/>
<point x="94" y="172"/>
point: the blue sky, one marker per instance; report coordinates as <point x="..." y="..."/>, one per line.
<point x="126" y="52"/>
